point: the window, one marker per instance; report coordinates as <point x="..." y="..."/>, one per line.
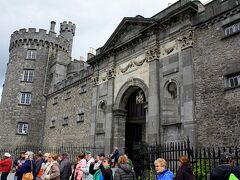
<point x="65" y="121"/>
<point x="83" y="88"/>
<point x="25" y="98"/>
<point x="52" y="125"/>
<point x="233" y="81"/>
<point x="55" y="100"/>
<point x="80" y="117"/>
<point x="27" y="75"/>
<point x="22" y="128"/>
<point x="232" y="29"/>
<point x="68" y="95"/>
<point x="31" y="54"/>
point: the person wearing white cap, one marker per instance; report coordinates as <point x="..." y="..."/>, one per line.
<point x="5" y="165"/>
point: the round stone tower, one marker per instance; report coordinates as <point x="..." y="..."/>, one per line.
<point x="23" y="104"/>
<point x="67" y="30"/>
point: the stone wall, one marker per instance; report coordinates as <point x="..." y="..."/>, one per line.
<point x="12" y="111"/>
<point x="70" y="109"/>
<point x="217" y="110"/>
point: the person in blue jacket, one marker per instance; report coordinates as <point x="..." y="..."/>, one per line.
<point x="28" y="166"/>
<point x="162" y="173"/>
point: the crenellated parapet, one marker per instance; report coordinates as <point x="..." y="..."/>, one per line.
<point x="67" y="27"/>
<point x="38" y="38"/>
<point x="79" y="77"/>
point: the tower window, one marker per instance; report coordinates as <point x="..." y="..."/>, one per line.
<point x="28" y="75"/>
<point x="25" y="98"/>
<point x="22" y="128"/>
<point x="31" y="54"/>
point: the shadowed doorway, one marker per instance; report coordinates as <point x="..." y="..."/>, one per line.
<point x="135" y="122"/>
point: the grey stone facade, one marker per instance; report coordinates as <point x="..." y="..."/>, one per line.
<point x="180" y="69"/>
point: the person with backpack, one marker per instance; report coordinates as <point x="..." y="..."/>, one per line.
<point x="225" y="171"/>
<point x="124" y="171"/>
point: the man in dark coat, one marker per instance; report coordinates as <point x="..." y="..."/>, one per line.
<point x="115" y="156"/>
<point x="65" y="167"/>
<point x="225" y="169"/>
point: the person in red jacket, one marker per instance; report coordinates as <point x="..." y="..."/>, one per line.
<point x="5" y="165"/>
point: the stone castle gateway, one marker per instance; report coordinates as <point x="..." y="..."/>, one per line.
<point x="156" y="80"/>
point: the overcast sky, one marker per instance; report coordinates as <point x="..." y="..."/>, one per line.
<point x="95" y="20"/>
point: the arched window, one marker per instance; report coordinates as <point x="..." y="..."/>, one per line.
<point x="171" y="112"/>
<point x="171" y="103"/>
<point x="101" y="118"/>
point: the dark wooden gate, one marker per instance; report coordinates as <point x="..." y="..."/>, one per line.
<point x="135" y="124"/>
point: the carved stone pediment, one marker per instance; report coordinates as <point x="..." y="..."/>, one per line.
<point x="128" y="29"/>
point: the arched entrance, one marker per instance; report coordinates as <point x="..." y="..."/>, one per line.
<point x="135" y="121"/>
<point x="130" y="115"/>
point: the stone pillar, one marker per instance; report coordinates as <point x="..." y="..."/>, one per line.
<point x="153" y="98"/>
<point x="187" y="104"/>
<point x="109" y="115"/>
<point x="93" y="109"/>
<point x="119" y="121"/>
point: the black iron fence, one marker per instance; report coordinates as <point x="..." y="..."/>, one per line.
<point x="72" y="151"/>
<point x="202" y="159"/>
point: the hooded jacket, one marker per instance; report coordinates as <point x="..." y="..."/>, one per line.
<point x="124" y="172"/>
<point x="223" y="171"/>
<point x="184" y="173"/>
<point x="165" y="175"/>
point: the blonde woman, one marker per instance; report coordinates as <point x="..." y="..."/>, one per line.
<point x="161" y="169"/>
<point x="28" y="166"/>
<point x="52" y="171"/>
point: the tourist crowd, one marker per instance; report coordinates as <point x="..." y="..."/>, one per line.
<point x="51" y="166"/>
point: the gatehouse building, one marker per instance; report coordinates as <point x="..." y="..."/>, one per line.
<point x="156" y="80"/>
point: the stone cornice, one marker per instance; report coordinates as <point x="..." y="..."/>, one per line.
<point x="218" y="18"/>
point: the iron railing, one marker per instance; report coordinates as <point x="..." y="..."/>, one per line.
<point x="72" y="151"/>
<point x="202" y="159"/>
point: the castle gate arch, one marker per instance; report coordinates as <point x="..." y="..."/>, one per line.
<point x="130" y="113"/>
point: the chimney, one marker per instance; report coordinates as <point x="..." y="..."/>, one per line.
<point x="91" y="53"/>
<point x="52" y="27"/>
